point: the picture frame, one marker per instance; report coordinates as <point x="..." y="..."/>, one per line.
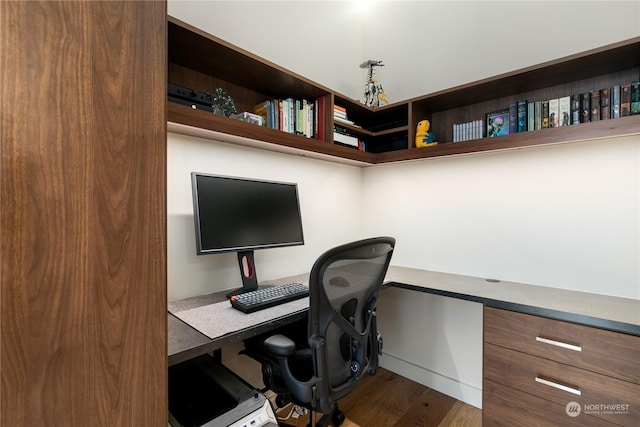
<point x="498" y="123"/>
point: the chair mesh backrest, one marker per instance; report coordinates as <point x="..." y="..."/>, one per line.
<point x="344" y="286"/>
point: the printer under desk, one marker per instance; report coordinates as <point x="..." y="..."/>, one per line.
<point x="204" y="393"/>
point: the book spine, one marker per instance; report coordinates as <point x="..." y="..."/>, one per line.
<point x="605" y="106"/>
<point x="513" y="117"/>
<point x="615" y="102"/>
<point x="635" y="98"/>
<point x="595" y="105"/>
<point x="564" y="106"/>
<point x="554" y="111"/>
<point x="293" y="112"/>
<point x="585" y="107"/>
<point x="531" y="116"/>
<point x="625" y="100"/>
<point x="545" y="115"/>
<point x="522" y="116"/>
<point x="538" y="119"/>
<point x="575" y="109"/>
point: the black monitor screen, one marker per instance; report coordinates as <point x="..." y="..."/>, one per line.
<point x="238" y="214"/>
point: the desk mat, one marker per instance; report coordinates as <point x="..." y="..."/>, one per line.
<point x="219" y="319"/>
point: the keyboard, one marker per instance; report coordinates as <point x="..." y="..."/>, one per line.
<point x="268" y="297"/>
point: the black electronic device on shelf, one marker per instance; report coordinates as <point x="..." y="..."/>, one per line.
<point x="190" y="97"/>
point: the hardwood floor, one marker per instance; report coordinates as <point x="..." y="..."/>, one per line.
<point x="390" y="400"/>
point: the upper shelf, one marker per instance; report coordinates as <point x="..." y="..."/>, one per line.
<point x="601" y="61"/>
<point x="203" y="62"/>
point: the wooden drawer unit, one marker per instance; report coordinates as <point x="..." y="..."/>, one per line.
<point x="551" y="363"/>
<point x="504" y="406"/>
<point x="597" y="350"/>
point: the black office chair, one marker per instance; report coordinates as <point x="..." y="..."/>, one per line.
<point x="342" y="341"/>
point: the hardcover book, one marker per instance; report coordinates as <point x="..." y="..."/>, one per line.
<point x="545" y="115"/>
<point x="564" y="106"/>
<point x="635" y="98"/>
<point x="319" y="123"/>
<point x="538" y="118"/>
<point x="531" y="116"/>
<point x="615" y="102"/>
<point x="575" y="109"/>
<point x="585" y="107"/>
<point x="513" y="117"/>
<point x="625" y="100"/>
<point x="554" y="111"/>
<point x="605" y="106"/>
<point x="498" y="123"/>
<point x="342" y="139"/>
<point x="595" y="105"/>
<point x="522" y="116"/>
<point x="262" y="110"/>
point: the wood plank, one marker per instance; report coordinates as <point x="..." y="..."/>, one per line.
<point x="462" y="415"/>
<point x="83" y="184"/>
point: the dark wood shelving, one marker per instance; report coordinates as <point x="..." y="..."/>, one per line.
<point x="199" y="51"/>
<point x="242" y="133"/>
<point x="566" y="134"/>
<point x="203" y="62"/>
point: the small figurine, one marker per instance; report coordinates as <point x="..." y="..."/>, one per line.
<point x="424" y="138"/>
<point x="373" y="92"/>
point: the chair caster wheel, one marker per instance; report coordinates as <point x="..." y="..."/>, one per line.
<point x="282" y="401"/>
<point x="338" y="418"/>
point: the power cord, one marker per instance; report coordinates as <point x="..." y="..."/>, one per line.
<point x="295" y="412"/>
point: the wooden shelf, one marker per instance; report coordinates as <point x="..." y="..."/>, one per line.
<point x="543" y="137"/>
<point x="203" y="62"/>
<point x="184" y="120"/>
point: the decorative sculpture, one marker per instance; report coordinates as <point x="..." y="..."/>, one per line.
<point x="374" y="95"/>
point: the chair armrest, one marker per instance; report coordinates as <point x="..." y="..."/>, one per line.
<point x="279" y="346"/>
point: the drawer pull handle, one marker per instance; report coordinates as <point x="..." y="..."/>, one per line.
<point x="559" y="344"/>
<point x="559" y="386"/>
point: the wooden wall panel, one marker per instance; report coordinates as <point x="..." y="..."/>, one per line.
<point x="83" y="213"/>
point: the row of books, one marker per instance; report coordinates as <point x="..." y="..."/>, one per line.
<point x="468" y="130"/>
<point x="604" y="104"/>
<point x="296" y="116"/>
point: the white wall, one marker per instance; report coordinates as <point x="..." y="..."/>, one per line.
<point x="330" y="198"/>
<point x="565" y="216"/>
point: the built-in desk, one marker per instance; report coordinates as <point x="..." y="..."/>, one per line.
<point x="548" y="353"/>
<point x="605" y="312"/>
<point x="601" y="311"/>
<point x="206" y="323"/>
<point x="521" y="322"/>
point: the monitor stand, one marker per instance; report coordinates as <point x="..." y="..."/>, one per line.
<point x="248" y="272"/>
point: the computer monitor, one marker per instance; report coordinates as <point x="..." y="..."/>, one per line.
<point x="234" y="214"/>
